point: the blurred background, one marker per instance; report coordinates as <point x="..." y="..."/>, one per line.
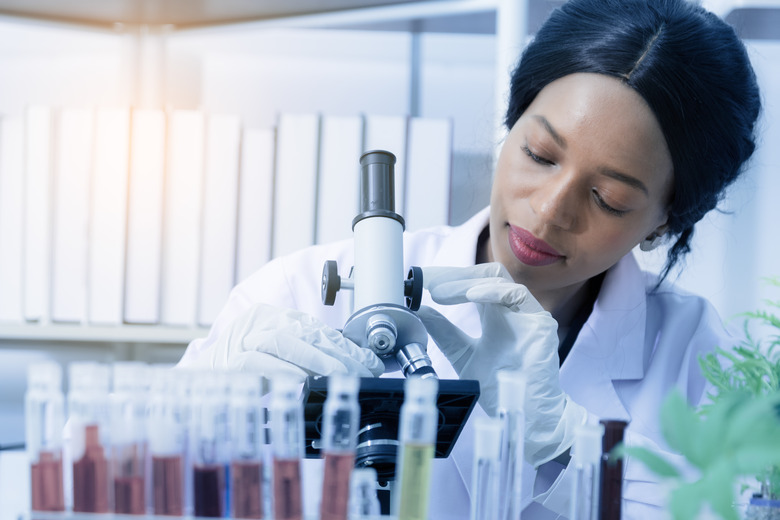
<point x="153" y="153"/>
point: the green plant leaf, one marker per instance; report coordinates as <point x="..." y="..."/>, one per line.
<point x="681" y="427"/>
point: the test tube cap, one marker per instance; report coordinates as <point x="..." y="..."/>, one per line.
<point x="130" y="376"/>
<point x="89" y="376"/>
<point x="343" y="384"/>
<point x="45" y="375"/>
<point x="487" y="444"/>
<point x="421" y="389"/>
<point x="587" y="444"/>
<point x="246" y="384"/>
<point x="511" y="389"/>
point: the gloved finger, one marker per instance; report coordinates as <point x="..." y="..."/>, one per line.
<point x="514" y="296"/>
<point x="267" y="366"/>
<point x="453" y="342"/>
<point x="265" y="321"/>
<point x="453" y="292"/>
<point x="334" y="343"/>
<point x="313" y="360"/>
<point x="437" y="275"/>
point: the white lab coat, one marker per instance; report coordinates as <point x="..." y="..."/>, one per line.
<point x="635" y="347"/>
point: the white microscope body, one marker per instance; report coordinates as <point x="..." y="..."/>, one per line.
<point x="384" y="300"/>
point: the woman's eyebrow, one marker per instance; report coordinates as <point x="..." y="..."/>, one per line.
<point x="627" y="179"/>
<point x="553" y="133"/>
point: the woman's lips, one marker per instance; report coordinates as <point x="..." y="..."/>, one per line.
<point x="531" y="250"/>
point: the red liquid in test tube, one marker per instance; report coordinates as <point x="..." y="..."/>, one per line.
<point x="167" y="485"/>
<point x="90" y="476"/>
<point x="246" y="489"/>
<point x="129" y="497"/>
<point x="335" y="486"/>
<point x="288" y="504"/>
<point x="46" y="483"/>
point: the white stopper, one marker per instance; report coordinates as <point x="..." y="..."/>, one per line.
<point x="587" y="444"/>
<point x="511" y="390"/>
<point x="45" y="376"/>
<point x="343" y="384"/>
<point x="89" y="376"/>
<point x="421" y="390"/>
<point x="487" y="443"/>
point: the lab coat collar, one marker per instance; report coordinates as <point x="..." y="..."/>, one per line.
<point x="460" y="248"/>
<point x="611" y="345"/>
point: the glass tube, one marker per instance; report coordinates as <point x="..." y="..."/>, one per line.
<point x="247" y="431"/>
<point x="487" y="465"/>
<point x="44" y="418"/>
<point x="511" y="397"/>
<point x="363" y="500"/>
<point x="167" y="435"/>
<point x="417" y="439"/>
<point x="287" y="441"/>
<point x="210" y="441"/>
<point x="611" y="491"/>
<point x="586" y="461"/>
<point x="128" y="437"/>
<point x="341" y="418"/>
<point x="89" y="421"/>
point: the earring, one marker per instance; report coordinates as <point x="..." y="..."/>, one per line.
<point x="650" y="242"/>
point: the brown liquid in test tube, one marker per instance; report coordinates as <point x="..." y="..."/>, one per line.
<point x="90" y="475"/>
<point x="288" y="503"/>
<point x="46" y="483"/>
<point x="167" y="485"/>
<point x="129" y="482"/>
<point x="335" y="486"/>
<point x="247" y="489"/>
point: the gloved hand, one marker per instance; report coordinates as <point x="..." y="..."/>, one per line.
<point x="271" y="340"/>
<point x="517" y="334"/>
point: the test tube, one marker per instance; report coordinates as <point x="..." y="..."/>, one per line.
<point x="363" y="500"/>
<point x="611" y="477"/>
<point x="210" y="441"/>
<point x="44" y="418"/>
<point x="247" y="430"/>
<point x="586" y="461"/>
<point x="128" y="437"/>
<point x="167" y="434"/>
<point x="417" y="439"/>
<point x="487" y="461"/>
<point x="341" y="418"/>
<point x="287" y="441"/>
<point x="89" y="421"/>
<point x="511" y="397"/>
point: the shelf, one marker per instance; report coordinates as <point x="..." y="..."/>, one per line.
<point x="101" y="334"/>
<point x="186" y="13"/>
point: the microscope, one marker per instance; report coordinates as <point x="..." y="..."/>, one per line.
<point x="384" y="320"/>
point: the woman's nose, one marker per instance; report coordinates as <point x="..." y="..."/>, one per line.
<point x="555" y="201"/>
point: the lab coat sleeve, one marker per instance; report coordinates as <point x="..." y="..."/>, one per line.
<point x="268" y="285"/>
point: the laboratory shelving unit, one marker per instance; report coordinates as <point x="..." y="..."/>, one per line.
<point x="511" y="21"/>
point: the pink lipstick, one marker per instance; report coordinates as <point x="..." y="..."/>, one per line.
<point x="531" y="250"/>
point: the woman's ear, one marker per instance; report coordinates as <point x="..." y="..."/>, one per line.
<point x="654" y="239"/>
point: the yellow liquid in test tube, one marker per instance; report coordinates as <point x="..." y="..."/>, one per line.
<point x="415" y="481"/>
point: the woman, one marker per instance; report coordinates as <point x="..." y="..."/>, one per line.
<point x="627" y="121"/>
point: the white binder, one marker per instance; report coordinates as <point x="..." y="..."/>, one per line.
<point x="255" y="201"/>
<point x="220" y="208"/>
<point x="11" y="218"/>
<point x="108" y="216"/>
<point x="339" y="177"/>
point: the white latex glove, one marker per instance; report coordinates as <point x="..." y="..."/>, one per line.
<point x="271" y="341"/>
<point x="517" y="334"/>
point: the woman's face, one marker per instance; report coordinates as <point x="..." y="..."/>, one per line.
<point x="583" y="176"/>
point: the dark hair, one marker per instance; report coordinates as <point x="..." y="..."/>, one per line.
<point x="688" y="65"/>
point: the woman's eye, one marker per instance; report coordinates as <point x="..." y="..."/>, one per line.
<point x="606" y="207"/>
<point x="536" y="158"/>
